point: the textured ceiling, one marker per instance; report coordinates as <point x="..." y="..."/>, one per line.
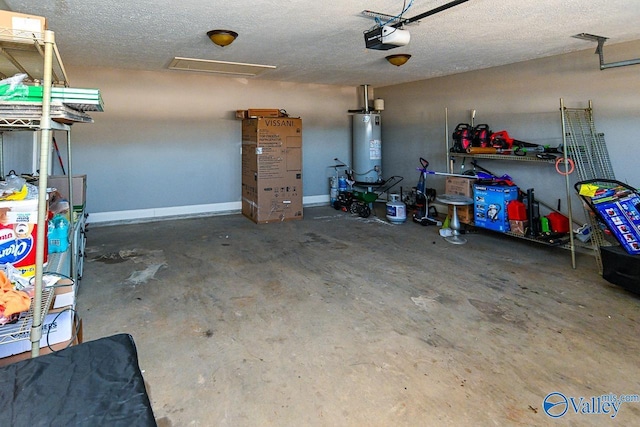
<point x="322" y="41"/>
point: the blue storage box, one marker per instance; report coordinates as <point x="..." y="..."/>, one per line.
<point x="490" y="205"/>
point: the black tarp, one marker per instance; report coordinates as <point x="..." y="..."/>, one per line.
<point x="96" y="383"/>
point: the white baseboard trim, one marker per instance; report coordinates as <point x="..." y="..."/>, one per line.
<point x="174" y="212"/>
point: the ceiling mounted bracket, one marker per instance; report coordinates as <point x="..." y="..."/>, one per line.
<point x="430" y="12"/>
<point x="600" y="51"/>
<point x="389" y="18"/>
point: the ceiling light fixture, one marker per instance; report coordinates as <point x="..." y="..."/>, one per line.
<point x="399" y="59"/>
<point x="222" y="37"/>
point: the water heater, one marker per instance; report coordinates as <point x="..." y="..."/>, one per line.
<point x="367" y="147"/>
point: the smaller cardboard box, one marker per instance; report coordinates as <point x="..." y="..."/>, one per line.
<point x="463" y="187"/>
<point x="24" y="26"/>
<point x="64" y="295"/>
<point x="459" y="185"/>
<point x="257" y="112"/>
<point x="518" y="226"/>
<point x="79" y="183"/>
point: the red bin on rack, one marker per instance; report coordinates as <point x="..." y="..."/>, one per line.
<point x="558" y="223"/>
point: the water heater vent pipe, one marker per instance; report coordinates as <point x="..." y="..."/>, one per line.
<point x="366" y="98"/>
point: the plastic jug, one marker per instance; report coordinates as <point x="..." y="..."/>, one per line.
<point x="58" y="234"/>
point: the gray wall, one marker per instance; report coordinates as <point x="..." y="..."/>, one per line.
<point x="523" y="99"/>
<point x="168" y="142"/>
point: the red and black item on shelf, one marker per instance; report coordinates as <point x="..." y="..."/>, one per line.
<point x="481" y="136"/>
<point x="462" y="138"/>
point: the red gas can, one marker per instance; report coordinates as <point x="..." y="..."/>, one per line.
<point x="516" y="211"/>
<point x="558" y="222"/>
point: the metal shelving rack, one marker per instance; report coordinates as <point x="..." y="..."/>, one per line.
<point x="526" y="159"/>
<point x="586" y="146"/>
<point x="529" y="159"/>
<point x="37" y="56"/>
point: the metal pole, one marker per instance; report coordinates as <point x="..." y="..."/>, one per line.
<point x="2" y="155"/>
<point x="448" y="159"/>
<point x="45" y="144"/>
<point x="567" y="184"/>
<point x="72" y="221"/>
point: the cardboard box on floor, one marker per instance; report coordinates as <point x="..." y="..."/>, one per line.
<point x="463" y="187"/>
<point x="272" y="169"/>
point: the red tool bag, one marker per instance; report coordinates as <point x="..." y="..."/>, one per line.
<point x="462" y="138"/>
<point x="481" y="136"/>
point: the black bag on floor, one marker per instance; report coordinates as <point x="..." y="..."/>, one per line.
<point x="621" y="268"/>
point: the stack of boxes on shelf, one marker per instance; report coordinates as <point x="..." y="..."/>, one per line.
<point x="463" y="187"/>
<point x="271" y="166"/>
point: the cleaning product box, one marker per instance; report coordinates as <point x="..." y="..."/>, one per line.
<point x="272" y="169"/>
<point x="490" y="205"/>
<point x="463" y="187"/>
<point x="18" y="234"/>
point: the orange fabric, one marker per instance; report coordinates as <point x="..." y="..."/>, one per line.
<point x="12" y="301"/>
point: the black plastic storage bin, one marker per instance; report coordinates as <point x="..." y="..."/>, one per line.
<point x="621" y="268"/>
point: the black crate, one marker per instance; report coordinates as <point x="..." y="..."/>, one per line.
<point x="621" y="268"/>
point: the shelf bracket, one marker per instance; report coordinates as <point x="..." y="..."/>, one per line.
<point x="600" y="51"/>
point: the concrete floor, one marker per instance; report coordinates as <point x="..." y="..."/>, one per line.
<point x="342" y="321"/>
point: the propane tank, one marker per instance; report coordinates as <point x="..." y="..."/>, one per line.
<point x="396" y="210"/>
<point x="333" y="184"/>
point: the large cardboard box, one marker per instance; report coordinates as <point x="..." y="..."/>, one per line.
<point x="24" y="26"/>
<point x="79" y="183"/>
<point x="272" y="169"/>
<point x="463" y="187"/>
